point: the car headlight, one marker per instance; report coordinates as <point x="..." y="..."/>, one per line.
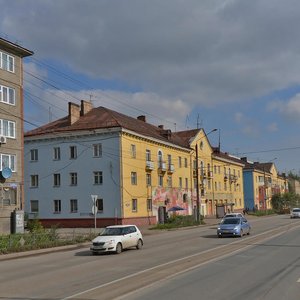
<point x="236" y="228"/>
<point x="219" y="228"/>
<point x="110" y="242"/>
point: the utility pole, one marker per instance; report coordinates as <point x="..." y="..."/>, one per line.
<point x="197" y="188"/>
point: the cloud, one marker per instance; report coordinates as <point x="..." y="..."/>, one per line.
<point x="205" y="52"/>
<point x="289" y="109"/>
<point x="272" y="127"/>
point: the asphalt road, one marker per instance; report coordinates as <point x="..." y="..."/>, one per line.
<point x="76" y="274"/>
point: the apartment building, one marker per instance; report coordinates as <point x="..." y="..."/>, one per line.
<point x="11" y="131"/>
<point x="261" y="182"/>
<point x="137" y="171"/>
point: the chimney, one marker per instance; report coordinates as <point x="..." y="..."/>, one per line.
<point x="142" y="118"/>
<point x="74" y="113"/>
<point x="86" y="106"/>
<point x="244" y="159"/>
<point x="161" y="126"/>
<point x="166" y="133"/>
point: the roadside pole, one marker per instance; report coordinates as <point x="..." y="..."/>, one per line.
<point x="95" y="209"/>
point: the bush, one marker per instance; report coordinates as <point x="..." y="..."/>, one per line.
<point x="178" y="221"/>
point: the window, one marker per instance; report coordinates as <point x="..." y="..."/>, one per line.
<point x="56" y="180"/>
<point x="133" y="151"/>
<point x="7" y="62"/>
<point x="133" y="178"/>
<point x="34" y="181"/>
<point x="97" y="150"/>
<point x="160" y="180"/>
<point x="8" y="128"/>
<point x="73" y="178"/>
<point x="148" y="155"/>
<point x="73" y="152"/>
<point x="56" y="153"/>
<point x="34" y="155"/>
<point x="8" y="161"/>
<point x="7" y="95"/>
<point x="149" y="204"/>
<point x="34" y="206"/>
<point x="169" y="181"/>
<point x="73" y="205"/>
<point x="185" y="163"/>
<point x="216" y="186"/>
<point x="180" y="182"/>
<point x="134" y="205"/>
<point x="98" y="177"/>
<point x="195" y="183"/>
<point x="186" y="183"/>
<point x="179" y="162"/>
<point x="148" y="179"/>
<point x="99" y="204"/>
<point x="57" y="206"/>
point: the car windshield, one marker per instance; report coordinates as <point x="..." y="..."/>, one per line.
<point x="231" y="221"/>
<point x="296" y="210"/>
<point x="113" y="231"/>
<point x="229" y="216"/>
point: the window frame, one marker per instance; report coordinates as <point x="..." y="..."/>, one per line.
<point x="56" y="206"/>
<point x="73" y="206"/>
<point x="99" y="175"/>
<point x="34" y="154"/>
<point x="73" y="152"/>
<point x="34" y="211"/>
<point x="10" y="62"/>
<point x="73" y="178"/>
<point x="56" y="153"/>
<point x="133" y="178"/>
<point x="134" y="205"/>
<point x="97" y="150"/>
<point x="34" y="181"/>
<point x="56" y="180"/>
<point x="10" y="92"/>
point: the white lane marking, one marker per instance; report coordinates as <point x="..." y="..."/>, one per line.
<point x="180" y="259"/>
<point x="298" y="280"/>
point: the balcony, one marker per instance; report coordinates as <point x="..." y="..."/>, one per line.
<point x="162" y="167"/>
<point x="171" y="168"/>
<point x="149" y="165"/>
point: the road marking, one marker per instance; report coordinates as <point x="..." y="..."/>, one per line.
<point x="259" y="238"/>
<point x="298" y="280"/>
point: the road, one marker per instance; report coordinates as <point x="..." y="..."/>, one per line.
<point x="195" y="257"/>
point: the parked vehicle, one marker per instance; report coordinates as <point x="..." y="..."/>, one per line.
<point x="234" y="215"/>
<point x="117" y="238"/>
<point x="295" y="213"/>
<point x="233" y="226"/>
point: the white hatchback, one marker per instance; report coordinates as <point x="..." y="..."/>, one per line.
<point x="295" y="213"/>
<point x="117" y="238"/>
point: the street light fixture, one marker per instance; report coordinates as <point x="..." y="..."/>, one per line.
<point x="197" y="177"/>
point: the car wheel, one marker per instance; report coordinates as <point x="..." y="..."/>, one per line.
<point x="219" y="235"/>
<point x="139" y="244"/>
<point x="119" y="248"/>
<point x="248" y="233"/>
<point x="241" y="233"/>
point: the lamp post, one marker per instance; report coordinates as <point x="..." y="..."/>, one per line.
<point x="197" y="177"/>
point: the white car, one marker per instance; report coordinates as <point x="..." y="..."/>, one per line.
<point x="117" y="238"/>
<point x="234" y="215"/>
<point x="295" y="213"/>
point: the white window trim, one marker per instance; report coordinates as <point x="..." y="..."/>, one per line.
<point x="10" y="123"/>
<point x="8" y="57"/>
<point x="9" y="90"/>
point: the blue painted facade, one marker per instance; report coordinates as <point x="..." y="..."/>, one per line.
<point x="248" y="189"/>
<point x="85" y="164"/>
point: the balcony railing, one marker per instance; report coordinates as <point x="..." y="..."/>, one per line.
<point x="162" y="166"/>
<point x="171" y="168"/>
<point x="149" y="165"/>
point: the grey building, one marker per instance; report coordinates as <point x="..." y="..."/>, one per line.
<point x="11" y="131"/>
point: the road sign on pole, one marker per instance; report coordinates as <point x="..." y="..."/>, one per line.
<point x="95" y="209"/>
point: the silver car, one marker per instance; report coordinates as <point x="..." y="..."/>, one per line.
<point x="233" y="227"/>
<point x="295" y="213"/>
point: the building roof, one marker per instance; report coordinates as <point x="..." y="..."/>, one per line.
<point x="14" y="48"/>
<point x="102" y="118"/>
<point x="224" y="155"/>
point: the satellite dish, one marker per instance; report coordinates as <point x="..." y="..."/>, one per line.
<point x="6" y="172"/>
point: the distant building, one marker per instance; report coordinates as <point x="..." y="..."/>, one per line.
<point x="261" y="182"/>
<point x="11" y="130"/>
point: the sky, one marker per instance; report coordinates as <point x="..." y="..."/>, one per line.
<point x="233" y="65"/>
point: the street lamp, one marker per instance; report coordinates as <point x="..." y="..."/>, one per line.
<point x="197" y="177"/>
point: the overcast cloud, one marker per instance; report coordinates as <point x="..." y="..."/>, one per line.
<point x="174" y="56"/>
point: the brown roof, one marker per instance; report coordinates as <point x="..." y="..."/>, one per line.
<point x="225" y="155"/>
<point x="101" y="118"/>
